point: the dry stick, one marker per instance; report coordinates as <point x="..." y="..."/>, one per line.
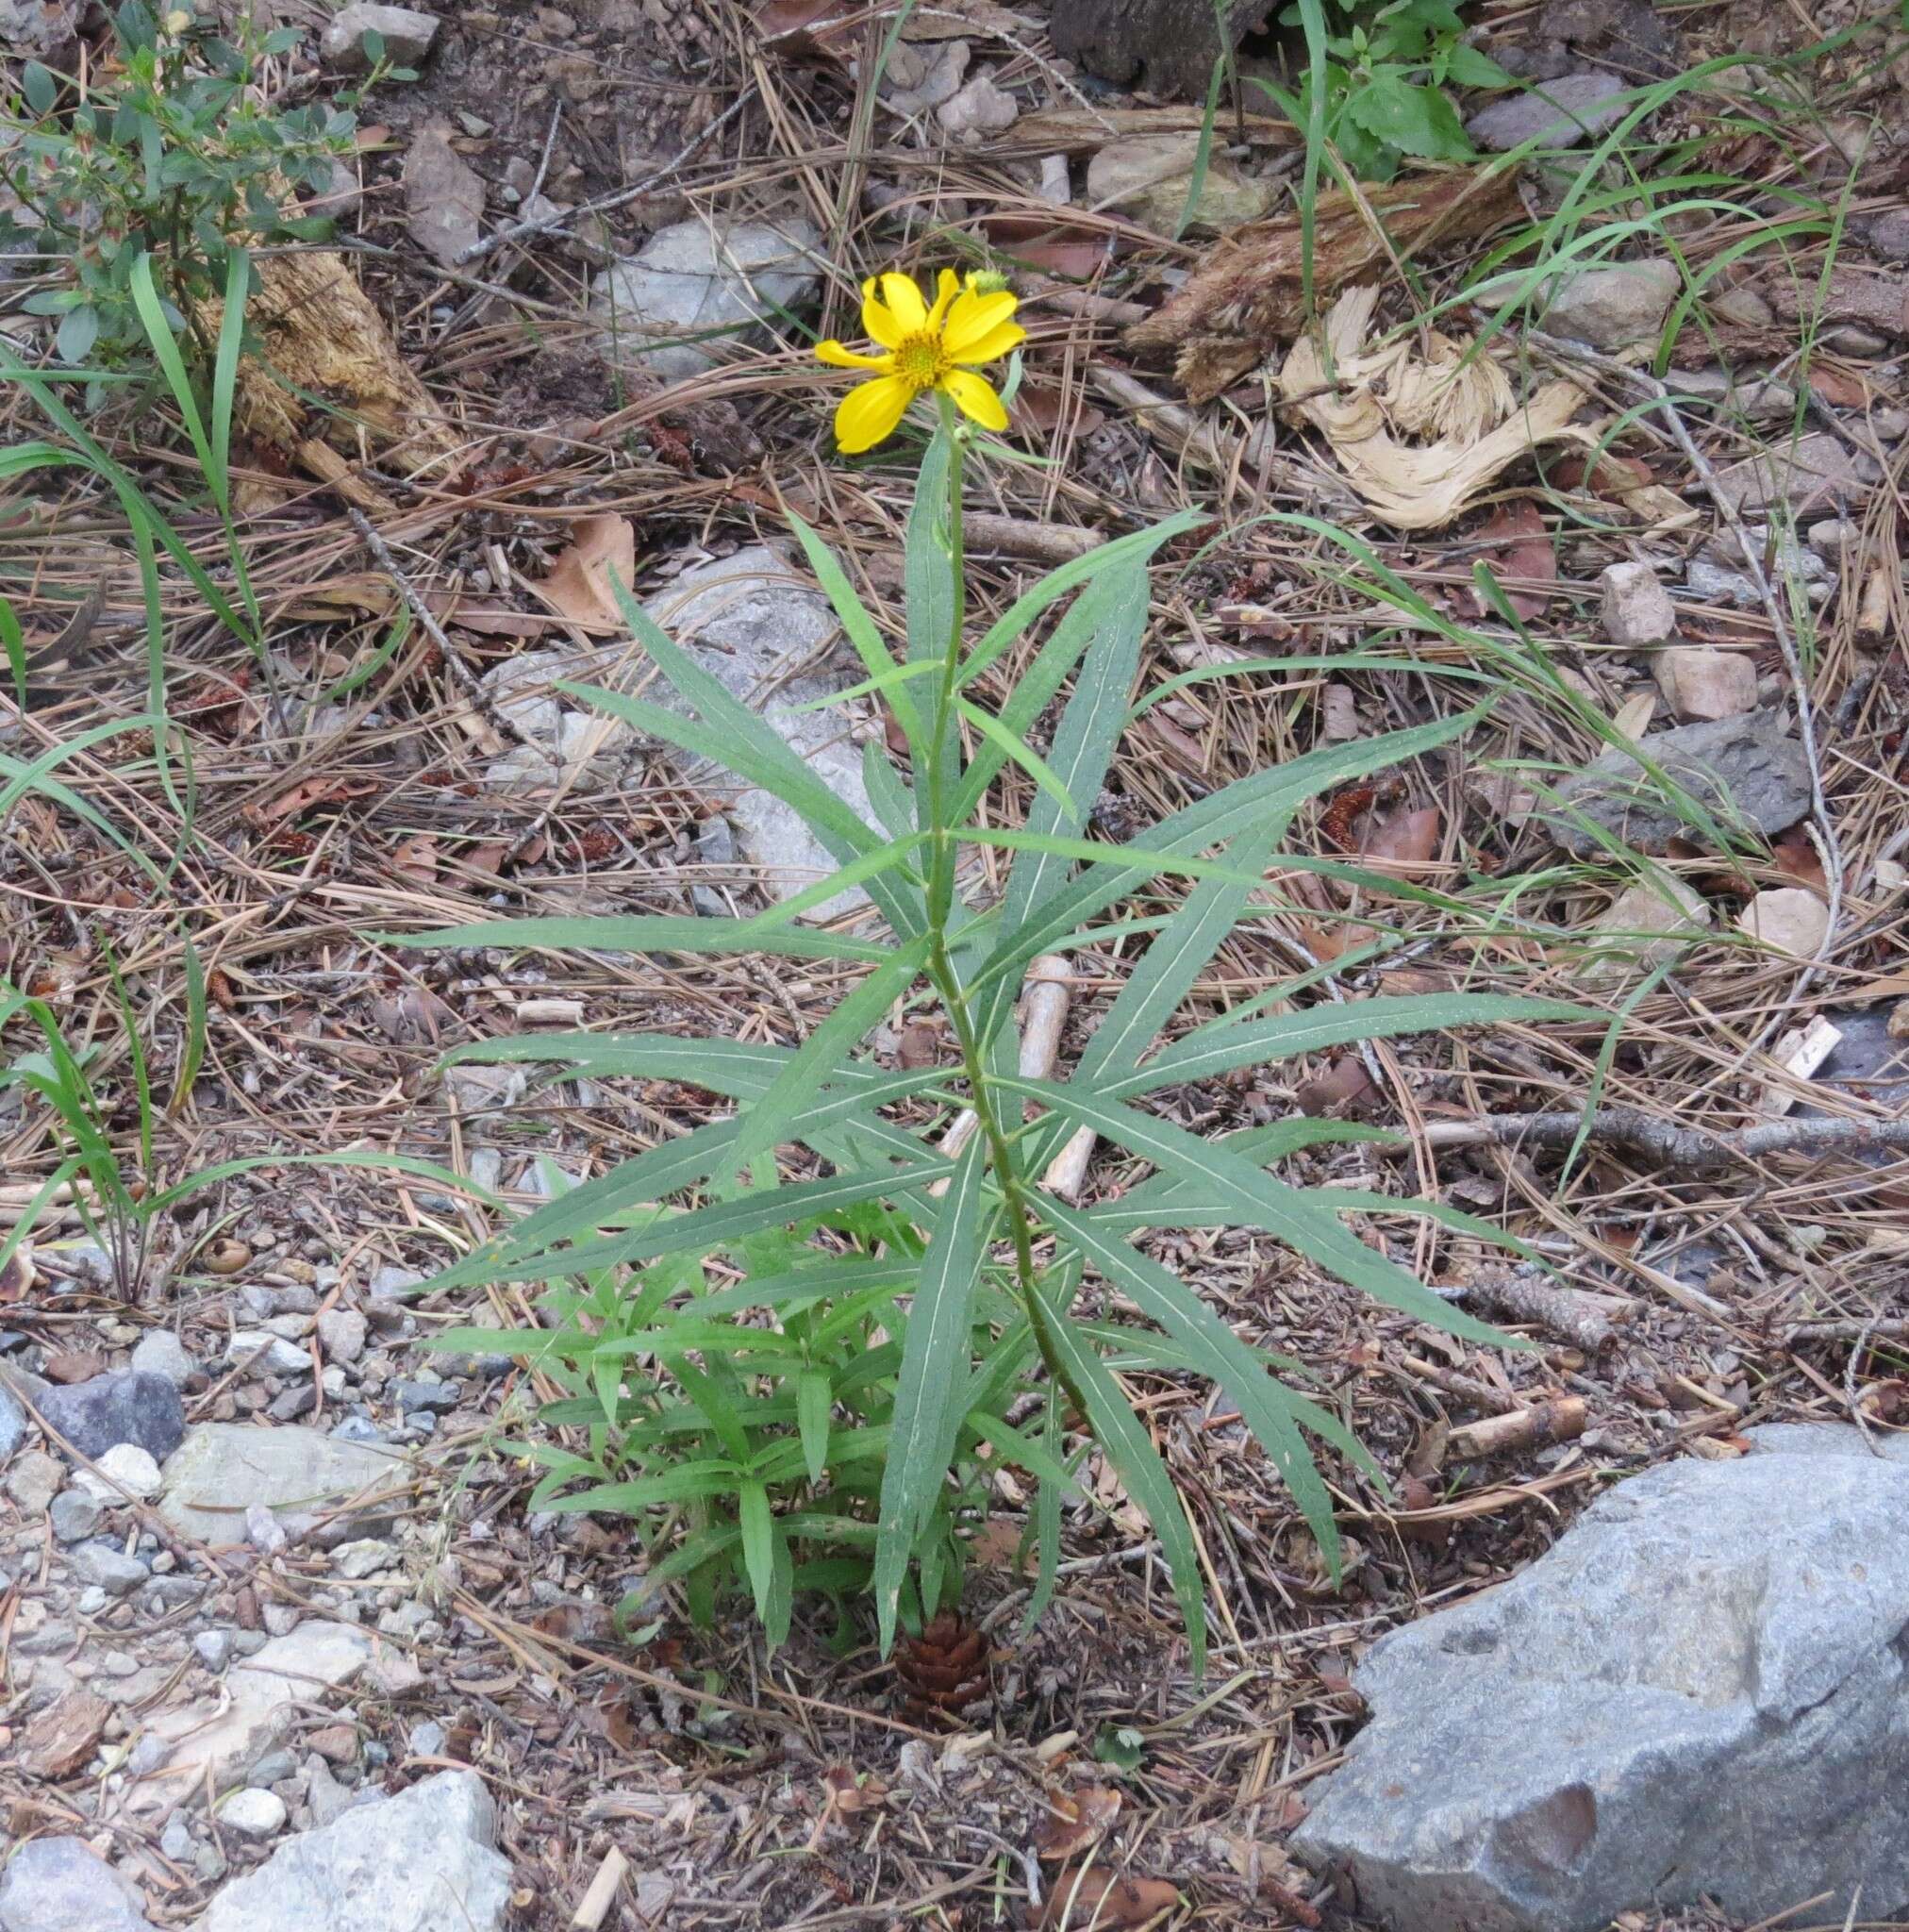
<point x="1688" y="1147"/>
<point x="1585" y="1320"/>
<point x="1753" y="557"/>
<point x="1561" y="1420"/>
<point x="559" y="224"/>
<point x="1043" y="1009"/>
<point x="981" y="530"/>
<point x="461" y="674"/>
<point x="595" y="1907"/>
<point x="1896" y="1328"/>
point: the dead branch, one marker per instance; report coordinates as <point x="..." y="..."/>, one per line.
<point x="1585" y="1320"/>
<point x="983" y="531"/>
<point x="1894" y="1329"/>
<point x="1696" y="1148"/>
<point x="1560" y="1420"/>
<point x="1043" y="1011"/>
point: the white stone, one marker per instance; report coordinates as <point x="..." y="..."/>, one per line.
<point x="222" y="1734"/>
<point x="708" y="282"/>
<point x="222" y="1468"/>
<point x="1661" y="905"/>
<point x="253" y="1813"/>
<point x="1636" y="609"/>
<point x="126" y="1469"/>
<point x="1146" y="178"/>
<point x="1790" y="917"/>
<point x="363" y="1559"/>
<point x="408" y="36"/>
<point x="1699" y="681"/>
<point x="273" y="1355"/>
<point x="162" y="1353"/>
<point x="341" y="1334"/>
<point x="422" y="1861"/>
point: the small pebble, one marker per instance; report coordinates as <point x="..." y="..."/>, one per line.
<point x="75" y="1515"/>
<point x="254" y="1813"/>
<point x="212" y="1647"/>
<point x="281" y="1620"/>
<point x="262" y="1530"/>
<point x="365" y="1558"/>
<point x="126" y="1469"/>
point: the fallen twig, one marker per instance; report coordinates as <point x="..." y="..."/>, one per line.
<point x="1559" y="1420"/>
<point x="1585" y="1320"/>
<point x="1043" y="1011"/>
<point x="1688" y="1148"/>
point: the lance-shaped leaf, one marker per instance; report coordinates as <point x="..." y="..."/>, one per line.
<point x="934" y="1378"/>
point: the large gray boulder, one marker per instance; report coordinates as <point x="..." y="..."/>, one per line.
<point x="422" y="1861"/>
<point x="1703" y="1689"/>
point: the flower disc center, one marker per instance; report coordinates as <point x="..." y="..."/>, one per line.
<point x="921" y="360"/>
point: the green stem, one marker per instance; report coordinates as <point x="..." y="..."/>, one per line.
<point x="943" y="761"/>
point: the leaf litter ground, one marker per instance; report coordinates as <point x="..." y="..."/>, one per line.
<point x="747" y="1789"/>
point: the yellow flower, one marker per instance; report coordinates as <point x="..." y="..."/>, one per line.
<point x="926" y="348"/>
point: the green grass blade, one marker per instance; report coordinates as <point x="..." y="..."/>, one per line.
<point x="645" y="933"/>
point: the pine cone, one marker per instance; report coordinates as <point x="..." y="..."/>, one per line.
<point x="946" y="1667"/>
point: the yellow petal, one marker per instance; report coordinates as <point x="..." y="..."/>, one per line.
<point x="871" y="411"/>
<point x="951" y="287"/>
<point x="996" y="343"/>
<point x="974" y="396"/>
<point x="878" y="322"/>
<point x="972" y="317"/>
<point x="838" y="357"/>
<point x="904" y="303"/>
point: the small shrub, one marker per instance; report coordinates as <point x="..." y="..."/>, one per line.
<point x="168" y="155"/>
<point x="806" y="1380"/>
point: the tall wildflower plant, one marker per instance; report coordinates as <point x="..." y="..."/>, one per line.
<point x="797" y="1345"/>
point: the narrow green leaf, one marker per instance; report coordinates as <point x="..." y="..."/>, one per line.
<point x="758" y="1540"/>
<point x="644" y="933"/>
<point x="1163" y="1298"/>
<point x="1125" y="1441"/>
<point x="934" y="1365"/>
<point x="1023" y="755"/>
<point x="814" y="1400"/>
<point x="795" y="1088"/>
<point x="1306" y="1222"/>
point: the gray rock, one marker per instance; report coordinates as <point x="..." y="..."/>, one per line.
<point x="1743" y="770"/>
<point x="689" y="287"/>
<point x="1612" y="308"/>
<point x="75" y="1515"/>
<point x="254" y="1813"/>
<point x="57" y="1885"/>
<point x="1700" y="1692"/>
<point x="12" y="1423"/>
<point x="212" y="1648"/>
<point x="132" y="1405"/>
<point x="1713" y="584"/>
<point x="162" y="1353"/>
<point x="1758" y="399"/>
<point x="751" y="621"/>
<point x="112" y="1569"/>
<point x="260" y="1352"/>
<point x="1826" y="1438"/>
<point x="440" y="1397"/>
<point x="342" y="1335"/>
<point x="1817" y="473"/>
<point x="408" y="36"/>
<point x="1563" y="112"/>
<point x="365" y="1558"/>
<point x="222" y="1468"/>
<point x="226" y="1737"/>
<point x="33" y="1482"/>
<point x="1636" y="609"/>
<point x="422" y="1861"/>
<point x="1888" y="234"/>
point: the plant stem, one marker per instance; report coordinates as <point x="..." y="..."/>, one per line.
<point x="944" y="749"/>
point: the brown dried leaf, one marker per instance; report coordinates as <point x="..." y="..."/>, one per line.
<point x="919" y="1046"/>
<point x="789" y="30"/>
<point x="578" y="586"/>
<point x="298" y="799"/>
<point x="1403" y="845"/>
<point x="1075" y="1819"/>
<point x="73" y="1365"/>
<point x="1107" y="1900"/>
<point x="1345" y="1083"/>
<point x="61" y="1740"/>
<point x="443" y="195"/>
<point x="1515" y="544"/>
<point x="1248" y="295"/>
